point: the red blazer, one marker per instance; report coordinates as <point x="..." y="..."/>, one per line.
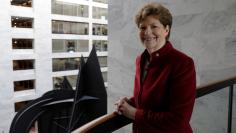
<point x="165" y="99"/>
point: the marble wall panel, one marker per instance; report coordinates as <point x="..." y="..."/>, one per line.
<point x="203" y="29"/>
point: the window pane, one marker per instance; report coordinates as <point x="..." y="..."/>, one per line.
<point x="23" y="64"/>
<point x="21" y="22"/>
<point x="104" y="75"/>
<point x="82" y="11"/>
<point x="62" y="45"/>
<point x="101" y="45"/>
<point x="58" y="81"/>
<point x="22" y="43"/>
<point x="102" y="61"/>
<point x="100" y="29"/>
<point x="25" y="3"/>
<point x="101" y="1"/>
<point x="64" y="64"/>
<point x="57" y="8"/>
<point x="99" y="13"/>
<point x="23" y="85"/>
<point x="20" y="105"/>
<point x="65" y="27"/>
<point x="66" y="9"/>
<point x="70" y="9"/>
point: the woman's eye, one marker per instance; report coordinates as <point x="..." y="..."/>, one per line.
<point x="142" y="28"/>
<point x="155" y="26"/>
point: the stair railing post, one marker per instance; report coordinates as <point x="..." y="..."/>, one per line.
<point x="230" y="108"/>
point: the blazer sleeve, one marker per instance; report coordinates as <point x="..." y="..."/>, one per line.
<point x="131" y="101"/>
<point x="182" y="87"/>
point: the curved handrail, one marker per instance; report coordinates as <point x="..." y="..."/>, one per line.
<point x="94" y="123"/>
<point x="201" y="91"/>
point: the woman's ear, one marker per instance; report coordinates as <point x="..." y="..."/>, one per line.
<point x="167" y="28"/>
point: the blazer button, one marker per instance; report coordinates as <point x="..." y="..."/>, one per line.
<point x="157" y="54"/>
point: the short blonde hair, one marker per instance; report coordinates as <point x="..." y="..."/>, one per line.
<point x="156" y="10"/>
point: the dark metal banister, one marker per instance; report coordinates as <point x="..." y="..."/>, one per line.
<point x="218" y="85"/>
<point x="215" y="86"/>
<point x="107" y="120"/>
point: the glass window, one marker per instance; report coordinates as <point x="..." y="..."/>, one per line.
<point x="23" y="64"/>
<point x="62" y="45"/>
<point x="65" y="64"/>
<point x="21" y="22"/>
<point x="24" y="85"/>
<point x="25" y="3"/>
<point x="82" y="10"/>
<point x="56" y="7"/>
<point x="102" y="61"/>
<point x="66" y="10"/>
<point x="100" y="29"/>
<point x="100" y="45"/>
<point x="22" y="43"/>
<point x="64" y="27"/>
<point x="101" y="1"/>
<point x="20" y="105"/>
<point x="70" y="9"/>
<point x="58" y="81"/>
<point x="99" y="13"/>
<point x="104" y="75"/>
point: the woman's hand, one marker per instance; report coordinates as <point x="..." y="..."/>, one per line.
<point x="123" y="107"/>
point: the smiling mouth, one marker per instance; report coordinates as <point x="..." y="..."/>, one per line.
<point x="150" y="38"/>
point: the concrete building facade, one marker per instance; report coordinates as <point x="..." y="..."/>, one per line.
<point x="42" y="41"/>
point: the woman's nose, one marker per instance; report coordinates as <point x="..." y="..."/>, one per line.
<point x="148" y="31"/>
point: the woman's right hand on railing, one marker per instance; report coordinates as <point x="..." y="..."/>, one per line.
<point x="122" y="107"/>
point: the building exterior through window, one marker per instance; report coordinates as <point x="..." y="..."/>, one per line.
<point x="41" y="42"/>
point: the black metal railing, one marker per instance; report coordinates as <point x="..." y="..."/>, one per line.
<point x="112" y="121"/>
<point x="219" y="85"/>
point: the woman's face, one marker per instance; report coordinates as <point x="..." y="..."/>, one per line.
<point x="153" y="33"/>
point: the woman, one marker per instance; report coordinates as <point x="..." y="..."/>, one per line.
<point x="165" y="79"/>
